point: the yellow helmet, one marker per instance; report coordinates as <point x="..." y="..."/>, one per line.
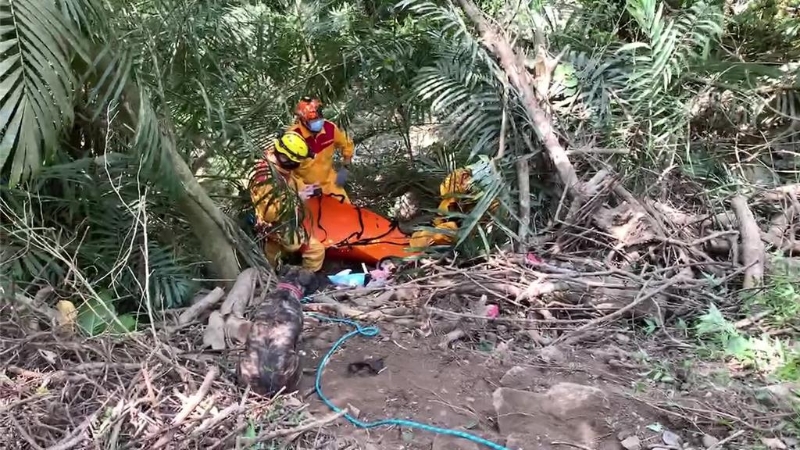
<point x="292" y="146"/>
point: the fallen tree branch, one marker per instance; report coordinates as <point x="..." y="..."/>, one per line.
<point x="583" y="328"/>
<point x="241" y="293"/>
<point x="752" y="248"/>
<point x="202" y="305"/>
<point x="197" y="397"/>
<point x="42" y="310"/>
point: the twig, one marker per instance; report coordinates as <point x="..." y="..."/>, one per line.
<point x="580" y="330"/>
<point x="202" y="305"/>
<point x="216" y="420"/>
<point x="188" y="407"/>
<point x="228" y="437"/>
<point x="726" y="440"/>
<point x="570" y="444"/>
<point x="299" y="429"/>
<point x="24" y="434"/>
<point x="77" y="435"/>
<point x="197" y="397"/>
<point x="752" y="319"/>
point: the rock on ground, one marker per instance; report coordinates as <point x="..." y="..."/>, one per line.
<point x="785" y="396"/>
<point x="566" y="412"/>
<point x="519" y="377"/>
<point x="632" y="443"/>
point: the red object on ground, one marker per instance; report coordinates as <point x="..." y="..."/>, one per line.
<point x="531" y="258"/>
<point x="354" y="234"/>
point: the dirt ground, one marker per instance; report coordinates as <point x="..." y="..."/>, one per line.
<point x="460" y="387"/>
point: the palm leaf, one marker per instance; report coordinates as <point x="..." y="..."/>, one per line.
<point x="36" y="81"/>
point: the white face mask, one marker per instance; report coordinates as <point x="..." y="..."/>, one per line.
<point x="316" y="125"/>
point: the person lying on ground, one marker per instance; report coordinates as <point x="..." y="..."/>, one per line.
<point x="460" y="191"/>
<point x="323" y="138"/>
<point x="278" y="194"/>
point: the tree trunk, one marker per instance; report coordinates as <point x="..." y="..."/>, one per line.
<point x="206" y="220"/>
<point x="208" y="224"/>
<point x="523" y="82"/>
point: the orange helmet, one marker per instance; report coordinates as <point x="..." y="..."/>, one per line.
<point x="308" y="109"/>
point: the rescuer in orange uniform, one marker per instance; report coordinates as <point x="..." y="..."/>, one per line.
<point x="461" y="190"/>
<point x="323" y="138"/>
<point x="278" y="194"/>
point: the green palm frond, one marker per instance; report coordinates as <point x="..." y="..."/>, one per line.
<point x="172" y="280"/>
<point x="673" y="44"/>
<point x="588" y="86"/>
<point x="97" y="218"/>
<point x="467" y="97"/>
<point x="453" y="23"/>
<point x="36" y="81"/>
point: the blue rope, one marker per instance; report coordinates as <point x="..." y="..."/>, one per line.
<point x="371" y="332"/>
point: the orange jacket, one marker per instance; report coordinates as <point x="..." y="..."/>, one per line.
<point x="273" y="192"/>
<point x="323" y="144"/>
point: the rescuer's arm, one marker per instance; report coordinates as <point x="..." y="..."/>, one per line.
<point x="265" y="203"/>
<point x="343" y="142"/>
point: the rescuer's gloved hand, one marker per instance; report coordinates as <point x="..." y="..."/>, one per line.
<point x="341" y="176"/>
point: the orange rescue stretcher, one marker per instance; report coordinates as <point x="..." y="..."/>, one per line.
<point x="354" y="234"/>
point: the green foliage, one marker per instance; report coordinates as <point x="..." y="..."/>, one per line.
<point x="781" y="297"/>
<point x="121" y="235"/>
<point x="98" y="315"/>
<point x="37" y="83"/>
<point x="763" y="353"/>
<point x="790" y="371"/>
<point x="84" y="81"/>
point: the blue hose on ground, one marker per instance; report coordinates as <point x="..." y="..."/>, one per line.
<point x="371" y="332"/>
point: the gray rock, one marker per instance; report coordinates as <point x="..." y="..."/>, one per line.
<point x="671" y="439"/>
<point x="519" y="377"/>
<point x="709" y="441"/>
<point x="568" y="400"/>
<point x="622" y="338"/>
<point x="632" y="443"/>
<point x="552" y="354"/>
<point x="782" y="395"/>
<point x="566" y="412"/>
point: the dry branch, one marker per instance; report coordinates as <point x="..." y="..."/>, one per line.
<point x="241" y="293"/>
<point x="311" y="425"/>
<point x="572" y="336"/>
<point x="201" y="306"/>
<point x="214" y="335"/>
<point x="522" y="81"/>
<point x="752" y="248"/>
<point x="197" y="397"/>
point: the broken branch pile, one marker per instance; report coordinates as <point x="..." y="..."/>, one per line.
<point x="132" y="393"/>
<point x="620" y="257"/>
